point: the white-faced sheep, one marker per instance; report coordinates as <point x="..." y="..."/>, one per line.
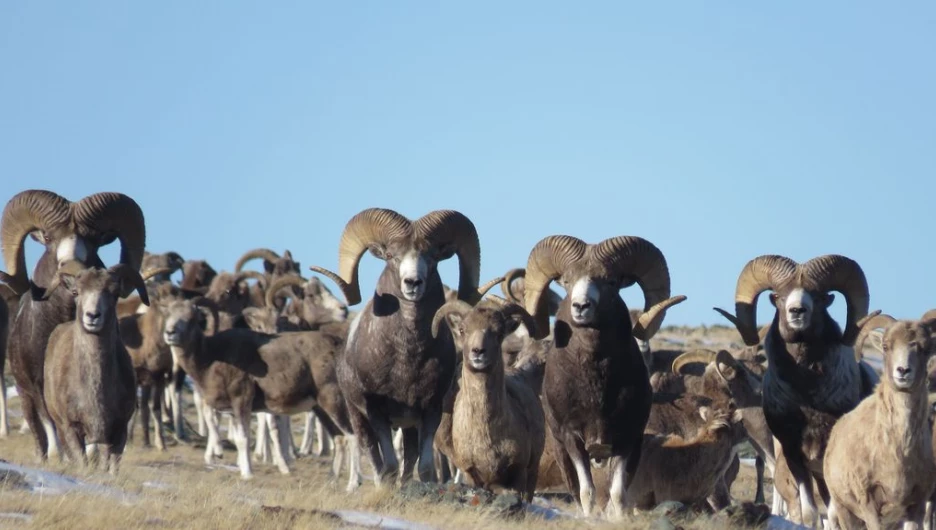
<point x="686" y="469"/>
<point x="69" y="231"/>
<point x="596" y="390"/>
<point x="393" y="372"/>
<point x="879" y="465"/>
<point x="90" y="384"/>
<point x="812" y="377"/>
<point x="498" y="428"/>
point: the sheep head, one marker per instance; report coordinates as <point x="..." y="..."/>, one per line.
<point x="274" y="265"/>
<point x="197" y="276"/>
<point x="184" y="321"/>
<point x="169" y="261"/>
<point x="70" y="231"/>
<point x="720" y="421"/>
<point x="479" y="331"/>
<point x="97" y="290"/>
<point x="906" y="346"/>
<point x="593" y="275"/>
<point x="317" y="305"/>
<point x="801" y="293"/>
<point x="230" y="292"/>
<point x="411" y="250"/>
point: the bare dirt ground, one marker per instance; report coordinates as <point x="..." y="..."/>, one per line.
<point x="175" y="489"/>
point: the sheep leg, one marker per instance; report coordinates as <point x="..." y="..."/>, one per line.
<point x="276" y="437"/>
<point x="427" y="429"/>
<point x="230" y="428"/>
<point x="240" y="430"/>
<point x="323" y="437"/>
<point x="157" y="406"/>
<point x="286" y="439"/>
<point x="916" y="517"/>
<point x="211" y="422"/>
<point x="411" y="453"/>
<point x="720" y="499"/>
<point x="928" y="516"/>
<point x="443" y="463"/>
<point x="49" y="430"/>
<point x="262" y="445"/>
<point x="398" y="443"/>
<point x="390" y="464"/>
<point x="759" y="469"/>
<point x="40" y="424"/>
<point x="338" y="457"/>
<point x="305" y="447"/>
<point x="175" y="398"/>
<point x="618" y="490"/>
<point x="143" y="410"/>
<point x="354" y="461"/>
<point x="803" y="479"/>
<point x="200" y="411"/>
<point x="4" y="423"/>
<point x="368" y="439"/>
<point x="578" y="457"/>
<point x="73" y="447"/>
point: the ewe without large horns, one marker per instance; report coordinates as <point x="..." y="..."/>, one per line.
<point x="625" y="258"/>
<point x="822" y="274"/>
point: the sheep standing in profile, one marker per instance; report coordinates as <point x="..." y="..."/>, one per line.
<point x="676" y="469"/>
<point x="90" y="385"/>
<point x="879" y="464"/>
<point x="498" y="427"/>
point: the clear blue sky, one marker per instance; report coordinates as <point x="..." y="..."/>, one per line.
<point x="717" y="131"/>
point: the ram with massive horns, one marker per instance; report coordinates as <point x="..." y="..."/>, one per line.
<point x="394" y="373"/>
<point x="596" y="390"/>
<point x="69" y="231"/>
<point x="812" y="377"/>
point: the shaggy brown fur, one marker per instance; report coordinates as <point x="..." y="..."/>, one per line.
<point x="498" y="429"/>
<point x="879" y="464"/>
<point x="686" y="470"/>
<point x="90" y="385"/>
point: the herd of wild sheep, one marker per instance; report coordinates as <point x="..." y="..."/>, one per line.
<point x="469" y="386"/>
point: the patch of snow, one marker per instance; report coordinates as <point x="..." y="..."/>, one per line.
<point x="49" y="483"/>
<point x="229" y="467"/>
<point x="156" y="485"/>
<point x="374" y="520"/>
<point x="18" y="516"/>
<point x="779" y="523"/>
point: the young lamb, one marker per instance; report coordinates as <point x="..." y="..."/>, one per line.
<point x="687" y="471"/>
<point x="879" y="465"/>
<point x="498" y="427"/>
<point x="89" y="381"/>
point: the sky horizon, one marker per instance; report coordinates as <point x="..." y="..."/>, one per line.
<point x="719" y="133"/>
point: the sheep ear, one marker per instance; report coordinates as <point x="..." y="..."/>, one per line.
<point x="725" y="366"/>
<point x="706" y="413"/>
<point x="773" y="299"/>
<point x="454" y="321"/>
<point x="877" y="340"/>
<point x="379" y="251"/>
<point x="512" y="324"/>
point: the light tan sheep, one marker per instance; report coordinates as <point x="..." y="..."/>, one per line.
<point x="677" y="469"/>
<point x="498" y="427"/>
<point x="879" y="465"/>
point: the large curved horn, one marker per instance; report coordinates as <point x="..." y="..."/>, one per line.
<point x="838" y="273"/>
<point x="247" y="275"/>
<point x="868" y="324"/>
<point x="456" y="306"/>
<point x="263" y="253"/>
<point x="370" y="227"/>
<point x="69" y="268"/>
<point x="637" y="258"/>
<point x="929" y="315"/>
<point x="548" y="260"/>
<point x="760" y="274"/>
<point x="447" y="228"/>
<point x="128" y="276"/>
<point x="106" y="216"/>
<point x="507" y="285"/>
<point x="695" y="356"/>
<point x="27" y="211"/>
<point x="488" y="286"/>
<point x="201" y="301"/>
<point x="289" y="280"/>
<point x="156" y="271"/>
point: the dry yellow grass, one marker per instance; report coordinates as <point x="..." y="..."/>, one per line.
<point x="175" y="489"/>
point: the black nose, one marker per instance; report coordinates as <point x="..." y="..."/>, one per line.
<point x="412" y="283"/>
<point x="477" y="351"/>
<point x="581" y="307"/>
<point x="903" y="371"/>
<point x="797" y="310"/>
<point x="93" y="316"/>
